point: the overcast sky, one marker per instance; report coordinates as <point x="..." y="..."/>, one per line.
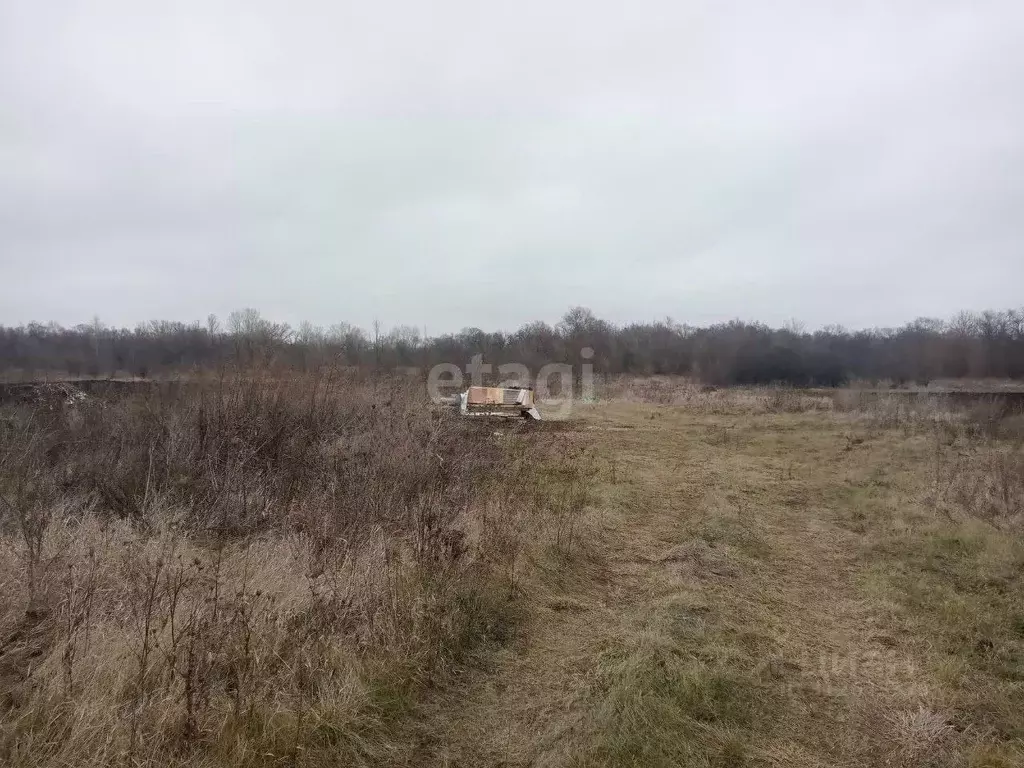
<point x="476" y="163"/>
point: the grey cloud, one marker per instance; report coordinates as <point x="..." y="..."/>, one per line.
<point x="858" y="163"/>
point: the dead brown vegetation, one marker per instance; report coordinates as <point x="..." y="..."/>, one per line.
<point x="771" y="581"/>
<point x="309" y="571"/>
<point x="256" y="569"/>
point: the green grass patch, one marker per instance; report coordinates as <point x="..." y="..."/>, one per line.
<point x="677" y="692"/>
<point x="961" y="593"/>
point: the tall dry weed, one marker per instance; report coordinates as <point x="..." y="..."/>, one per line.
<point x="251" y="569"/>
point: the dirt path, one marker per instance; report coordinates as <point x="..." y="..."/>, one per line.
<point x="715" y="615"/>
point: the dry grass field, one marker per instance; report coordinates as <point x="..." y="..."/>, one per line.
<point x="286" y="573"/>
<point x="765" y="579"/>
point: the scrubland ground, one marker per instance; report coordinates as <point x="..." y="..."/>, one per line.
<point x="289" y="574"/>
<point x="257" y="569"/>
<point x="760" y="581"/>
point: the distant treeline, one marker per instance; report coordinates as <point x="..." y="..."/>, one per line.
<point x="985" y="345"/>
